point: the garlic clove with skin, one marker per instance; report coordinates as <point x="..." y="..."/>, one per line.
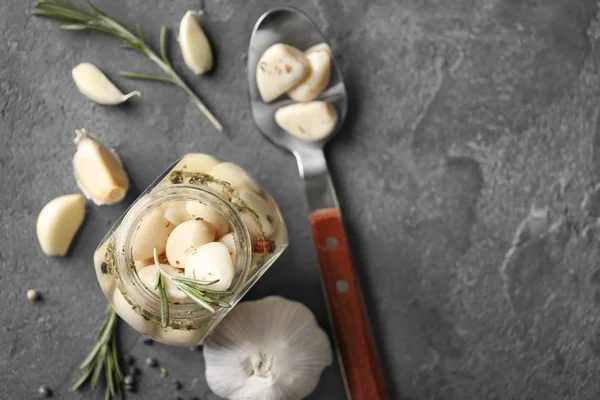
<point x="195" y="47"/>
<point x="98" y="170"/>
<point x="269" y="349"/>
<point x="58" y="222"/>
<point x="94" y="85"/>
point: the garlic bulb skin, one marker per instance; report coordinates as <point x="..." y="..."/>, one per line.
<point x="58" y="222"/>
<point x="269" y="349"/>
<point x="195" y="47"/>
<point x="98" y="170"/>
<point x="94" y="85"/>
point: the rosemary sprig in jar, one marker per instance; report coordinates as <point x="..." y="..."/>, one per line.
<point x="96" y="19"/>
<point x="104" y="356"/>
<point x="192" y="288"/>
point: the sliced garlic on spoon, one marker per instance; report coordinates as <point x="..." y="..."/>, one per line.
<point x="94" y="85"/>
<point x="98" y="170"/>
<point x="279" y="69"/>
<point x="58" y="222"/>
<point x="195" y="47"/>
<point x="309" y="121"/>
<point x="270" y="349"/>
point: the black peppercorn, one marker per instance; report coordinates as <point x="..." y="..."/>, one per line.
<point x="135" y="371"/>
<point x="177" y="385"/>
<point x="130" y="388"/>
<point x="104" y="268"/>
<point x="148" y="341"/>
<point x="129" y="360"/>
<point x="151" y="362"/>
<point x="45" y="391"/>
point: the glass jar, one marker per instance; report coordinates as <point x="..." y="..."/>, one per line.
<point x="206" y="203"/>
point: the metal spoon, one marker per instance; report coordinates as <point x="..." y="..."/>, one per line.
<point x="355" y="348"/>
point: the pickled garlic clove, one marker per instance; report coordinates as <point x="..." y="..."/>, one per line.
<point x="128" y="314"/>
<point x="279" y="69"/>
<point x="153" y="231"/>
<point x="235" y="176"/>
<point x="229" y="242"/>
<point x="148" y="277"/>
<point x="316" y="81"/>
<point x="210" y="262"/>
<point x="308" y="121"/>
<point x="98" y="170"/>
<point x="205" y="213"/>
<point x="58" y="222"/>
<point x="186" y="238"/>
<point x="94" y="85"/>
<point x="179" y="337"/>
<point x="176" y="212"/>
<point x="195" y="47"/>
<point x="318" y="47"/>
<point x="265" y="215"/>
<point x="196" y="162"/>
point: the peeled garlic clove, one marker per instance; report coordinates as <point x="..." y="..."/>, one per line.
<point x="58" y="222"/>
<point x="235" y="175"/>
<point x="271" y="349"/>
<point x="153" y="231"/>
<point x="128" y="314"/>
<point x="279" y="69"/>
<point x="139" y="264"/>
<point x="98" y="170"/>
<point x="209" y="262"/>
<point x="207" y="214"/>
<point x="93" y="84"/>
<point x="197" y="162"/>
<point x="176" y="212"/>
<point x="264" y="213"/>
<point x="229" y="242"/>
<point x="195" y="47"/>
<point x="186" y="238"/>
<point x="308" y="121"/>
<point x="316" y="81"/>
<point x="179" y="337"/>
<point x="148" y="277"/>
<point x="318" y="47"/>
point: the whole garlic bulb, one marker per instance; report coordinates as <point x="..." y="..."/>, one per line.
<point x="269" y="349"/>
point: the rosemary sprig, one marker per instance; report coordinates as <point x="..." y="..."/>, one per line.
<point x="78" y="19"/>
<point x="103" y="356"/>
<point x="194" y="289"/>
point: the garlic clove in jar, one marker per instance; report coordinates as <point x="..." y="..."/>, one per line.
<point x="148" y="277"/>
<point x="195" y="47"/>
<point x="279" y="69"/>
<point x="176" y="212"/>
<point x="229" y="242"/>
<point x="197" y="162"/>
<point x="128" y="314"/>
<point x="186" y="238"/>
<point x="308" y="121"/>
<point x="317" y="80"/>
<point x="178" y="337"/>
<point x="58" y="222"/>
<point x="235" y="175"/>
<point x="318" y="47"/>
<point x="153" y="231"/>
<point x="264" y="218"/>
<point x="98" y="170"/>
<point x="139" y="264"/>
<point x="210" y="262"/>
<point x="205" y="213"/>
<point x="269" y="349"/>
<point x="93" y="84"/>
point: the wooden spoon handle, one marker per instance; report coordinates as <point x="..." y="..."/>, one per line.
<point x="350" y="322"/>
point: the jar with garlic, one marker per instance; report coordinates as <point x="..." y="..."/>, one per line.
<point x="208" y="222"/>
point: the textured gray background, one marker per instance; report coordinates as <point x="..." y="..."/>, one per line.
<point x="465" y="116"/>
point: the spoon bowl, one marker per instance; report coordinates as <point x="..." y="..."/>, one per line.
<point x="290" y="26"/>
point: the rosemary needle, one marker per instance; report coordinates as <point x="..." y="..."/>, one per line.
<point x="95" y="19"/>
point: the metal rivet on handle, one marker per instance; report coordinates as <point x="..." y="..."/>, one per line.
<point x="342" y="286"/>
<point x="331" y="242"/>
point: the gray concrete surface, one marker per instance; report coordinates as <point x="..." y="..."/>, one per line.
<point x="465" y="116"/>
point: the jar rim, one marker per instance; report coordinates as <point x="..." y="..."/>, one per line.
<point x="126" y="275"/>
